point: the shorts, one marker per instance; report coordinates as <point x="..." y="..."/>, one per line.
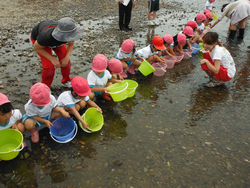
<point x="129" y="63"/>
<point x="153" y="5"/>
<point x="38" y="124"/>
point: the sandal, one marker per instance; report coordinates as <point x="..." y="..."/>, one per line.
<point x="212" y="84"/>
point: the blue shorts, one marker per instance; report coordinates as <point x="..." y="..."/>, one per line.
<point x="129" y="63"/>
<point x="38" y="124"/>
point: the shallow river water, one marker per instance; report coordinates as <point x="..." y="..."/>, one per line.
<point x="173" y="133"/>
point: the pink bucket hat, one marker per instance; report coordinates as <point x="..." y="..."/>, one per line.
<point x="100" y="63"/>
<point x="40" y="94"/>
<point x="181" y="38"/>
<point x="200" y="17"/>
<point x="128" y="45"/>
<point x="80" y="86"/>
<point x="168" y="38"/>
<point x="213" y="0"/>
<point x="188" y="31"/>
<point x="115" y="65"/>
<point x="207" y="11"/>
<point x="3" y="99"/>
<point x="192" y="24"/>
<point x="158" y="43"/>
<point x="209" y="15"/>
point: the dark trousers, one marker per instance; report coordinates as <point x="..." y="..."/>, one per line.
<point x="125" y="11"/>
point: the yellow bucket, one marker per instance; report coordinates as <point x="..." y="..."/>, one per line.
<point x="146" y="68"/>
<point x="118" y="91"/>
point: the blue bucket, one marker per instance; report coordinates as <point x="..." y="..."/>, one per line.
<point x="63" y="129"/>
<point x="196" y="47"/>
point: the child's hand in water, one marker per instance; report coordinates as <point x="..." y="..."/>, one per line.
<point x="84" y="124"/>
<point x="48" y="123"/>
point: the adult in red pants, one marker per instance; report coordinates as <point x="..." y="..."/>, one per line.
<point x="218" y="62"/>
<point x="49" y="35"/>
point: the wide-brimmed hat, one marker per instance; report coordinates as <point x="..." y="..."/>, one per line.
<point x="40" y="94"/>
<point x="67" y="30"/>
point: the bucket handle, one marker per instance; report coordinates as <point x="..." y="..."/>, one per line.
<point x="161" y="67"/>
<point x="121" y="90"/>
<point x="180" y="59"/>
<point x="132" y="91"/>
<point x="189" y="55"/>
<point x="17" y="150"/>
<point x="66" y="140"/>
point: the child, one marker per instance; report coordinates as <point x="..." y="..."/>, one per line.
<point x="153" y="51"/>
<point x="115" y="67"/>
<point x="209" y="18"/>
<point x="99" y="78"/>
<point x="218" y="62"/>
<point x="127" y="54"/>
<point x="76" y="99"/>
<point x="209" y="5"/>
<point x="9" y="117"/>
<point x="153" y="6"/>
<point x="179" y="41"/>
<point x="168" y="41"/>
<point x="200" y="18"/>
<point x="41" y="109"/>
<point x="188" y="31"/>
<point x="196" y="38"/>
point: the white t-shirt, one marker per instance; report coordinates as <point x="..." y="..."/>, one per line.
<point x="16" y="115"/>
<point x="201" y="26"/>
<point x="66" y="99"/>
<point x="146" y="52"/>
<point x="96" y="81"/>
<point x="123" y="55"/>
<point x="45" y="112"/>
<point x="209" y="5"/>
<point x="222" y="54"/>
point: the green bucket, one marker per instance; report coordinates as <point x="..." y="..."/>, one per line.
<point x="10" y="143"/>
<point x="94" y="119"/>
<point x="146" y="68"/>
<point x="132" y="85"/>
<point x="214" y="16"/>
<point x="118" y="91"/>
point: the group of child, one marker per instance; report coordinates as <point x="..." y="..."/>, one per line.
<point x="43" y="108"/>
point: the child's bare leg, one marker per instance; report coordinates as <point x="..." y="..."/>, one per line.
<point x="137" y="63"/>
<point x="149" y="16"/>
<point x="124" y="65"/>
<point x="29" y="124"/>
<point x="154" y="15"/>
<point x="56" y="115"/>
<point x="21" y="127"/>
<point x="91" y="95"/>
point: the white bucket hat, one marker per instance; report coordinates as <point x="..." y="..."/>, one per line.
<point x="66" y="30"/>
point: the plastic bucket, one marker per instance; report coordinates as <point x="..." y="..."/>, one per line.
<point x="205" y="31"/>
<point x="170" y="61"/>
<point x="10" y="143"/>
<point x="196" y="47"/>
<point x="146" y="68"/>
<point x="187" y="54"/>
<point x="132" y="85"/>
<point x="118" y="91"/>
<point x="94" y="119"/>
<point x="160" y="69"/>
<point x="214" y="16"/>
<point x="178" y="57"/>
<point x="63" y="129"/>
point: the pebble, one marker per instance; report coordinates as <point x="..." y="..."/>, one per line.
<point x="118" y="163"/>
<point x="26" y="155"/>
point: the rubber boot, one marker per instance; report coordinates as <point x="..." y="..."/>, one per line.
<point x="34" y="135"/>
<point x="124" y="75"/>
<point x="232" y="34"/>
<point x="241" y="33"/>
<point x="131" y="70"/>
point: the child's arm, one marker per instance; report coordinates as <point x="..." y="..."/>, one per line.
<point x="189" y="45"/>
<point x="77" y="115"/>
<point x="156" y="57"/>
<point x="115" y="80"/>
<point x="15" y="125"/>
<point x="96" y="89"/>
<point x="46" y="122"/>
<point x="129" y="59"/>
<point x="62" y="111"/>
<point x="171" y="51"/>
<point x="93" y="104"/>
<point x="137" y="55"/>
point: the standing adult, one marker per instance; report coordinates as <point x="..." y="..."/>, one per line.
<point x="49" y="35"/>
<point x="238" y="12"/>
<point x="125" y="9"/>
